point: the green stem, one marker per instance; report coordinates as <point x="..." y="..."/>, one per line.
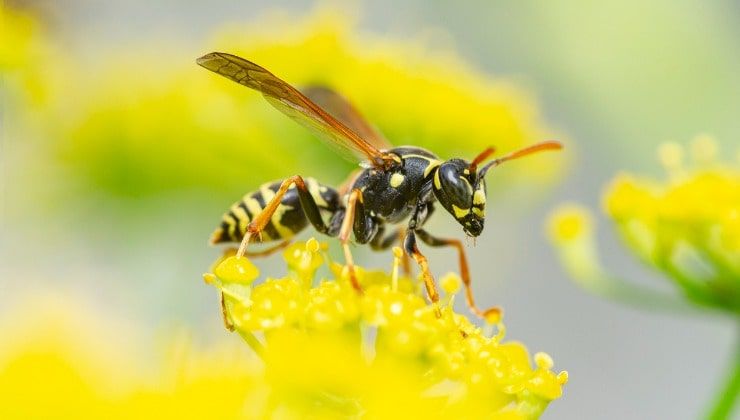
<point x="729" y="393"/>
<point x="583" y="263"/>
<point x="253" y="342"/>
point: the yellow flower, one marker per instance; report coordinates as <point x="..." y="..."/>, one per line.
<point x="60" y="361"/>
<point x="334" y="353"/>
<point x="147" y="116"/>
<point x="22" y="48"/>
<point x="688" y="226"/>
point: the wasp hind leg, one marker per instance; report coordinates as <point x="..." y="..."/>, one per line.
<point x="308" y="204"/>
<point x="262" y="252"/>
<point x="464" y="272"/>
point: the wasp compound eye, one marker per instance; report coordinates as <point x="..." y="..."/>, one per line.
<point x="452" y="184"/>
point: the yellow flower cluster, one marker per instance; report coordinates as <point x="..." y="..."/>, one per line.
<point x="22" y="49"/>
<point x="333" y="353"/>
<point x="146" y="116"/>
<point x="61" y="361"/>
<point x="688" y="227"/>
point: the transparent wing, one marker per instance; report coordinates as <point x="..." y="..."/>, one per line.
<point x="341" y="109"/>
<point x="294" y="104"/>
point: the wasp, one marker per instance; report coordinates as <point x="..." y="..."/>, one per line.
<point x="395" y="185"/>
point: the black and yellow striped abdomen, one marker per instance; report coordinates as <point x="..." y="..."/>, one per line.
<point x="288" y="220"/>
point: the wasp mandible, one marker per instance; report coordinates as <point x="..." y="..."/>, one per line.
<point x="396" y="184"/>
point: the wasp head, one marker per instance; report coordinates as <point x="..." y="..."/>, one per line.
<point x="462" y="192"/>
<point x="461" y="188"/>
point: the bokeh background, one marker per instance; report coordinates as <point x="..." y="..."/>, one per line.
<point x="119" y="155"/>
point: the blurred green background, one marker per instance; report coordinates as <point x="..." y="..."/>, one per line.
<point x="119" y="154"/>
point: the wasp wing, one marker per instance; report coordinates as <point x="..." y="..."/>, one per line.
<point x="292" y="103"/>
<point x="341" y="109"/>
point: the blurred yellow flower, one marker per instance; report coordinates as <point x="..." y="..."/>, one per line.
<point x="61" y="362"/>
<point x="20" y="47"/>
<point x="145" y="120"/>
<point x="687" y="227"/>
<point x="333" y="353"/>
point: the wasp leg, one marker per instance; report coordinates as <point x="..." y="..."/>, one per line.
<point x="308" y="204"/>
<point x="261" y="253"/>
<point x="409" y="245"/>
<point x="464" y="271"/>
<point x="354" y="205"/>
<point x="381" y="242"/>
<point x="405" y="261"/>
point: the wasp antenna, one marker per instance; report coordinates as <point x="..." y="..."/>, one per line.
<point x="539" y="147"/>
<point x="535" y="148"/>
<point x="481" y="158"/>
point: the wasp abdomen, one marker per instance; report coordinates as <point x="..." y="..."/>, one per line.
<point x="288" y="219"/>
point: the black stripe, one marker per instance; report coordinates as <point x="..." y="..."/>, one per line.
<point x="243" y="205"/>
<point x="269" y="228"/>
<point x="237" y="235"/>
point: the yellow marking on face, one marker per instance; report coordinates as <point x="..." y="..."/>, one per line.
<point x="479" y="197"/>
<point x="437" y="184"/>
<point x="478" y="212"/>
<point x="432" y="164"/>
<point x="460" y="213"/>
<point x="313" y="188"/>
<point x="397" y="180"/>
<point x="284" y="231"/>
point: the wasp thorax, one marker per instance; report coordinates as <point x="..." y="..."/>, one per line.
<point x="462" y="193"/>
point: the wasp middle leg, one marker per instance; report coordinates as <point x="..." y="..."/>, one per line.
<point x="365" y="228"/>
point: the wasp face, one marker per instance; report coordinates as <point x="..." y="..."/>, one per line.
<point x="462" y="193"/>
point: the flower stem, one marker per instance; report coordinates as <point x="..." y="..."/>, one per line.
<point x="730" y="390"/>
<point x="252" y="341"/>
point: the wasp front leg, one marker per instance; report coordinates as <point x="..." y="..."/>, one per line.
<point x="409" y="245"/>
<point x="418" y="218"/>
<point x="464" y="271"/>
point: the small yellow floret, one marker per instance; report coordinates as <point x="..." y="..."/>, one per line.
<point x="569" y="222"/>
<point x="671" y="155"/>
<point x="543" y="360"/>
<point x="236" y="270"/>
<point x="450" y="283"/>
<point x="493" y="316"/>
<point x="704" y="149"/>
<point x="563" y="377"/>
